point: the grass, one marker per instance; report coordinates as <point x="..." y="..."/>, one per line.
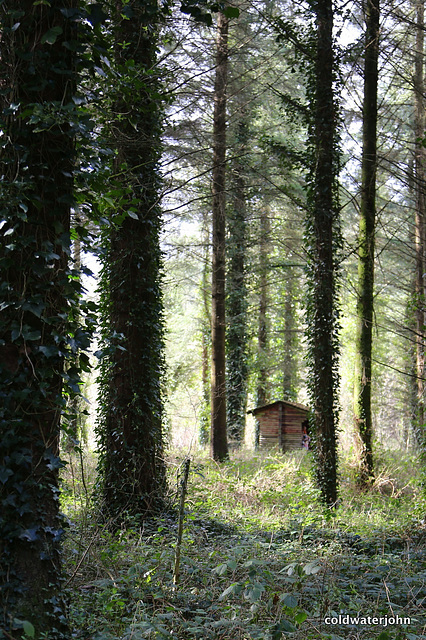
<point x="260" y="558"/>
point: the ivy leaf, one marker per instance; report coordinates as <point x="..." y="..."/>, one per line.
<point x="231" y="12"/>
<point x="191" y="7"/>
<point x="51" y="36"/>
<point x="253" y="593"/>
<point x="289" y="600"/>
<point x="56" y="533"/>
<point x="221" y="569"/>
<point x="5" y="474"/>
<point x="53" y="461"/>
<point x="49" y="351"/>
<point x="96" y="15"/>
<point x="280" y="627"/>
<point x="71" y="13"/>
<point x="311" y="568"/>
<point x="233" y="589"/>
<point x="300" y="617"/>
<point x="28" y="629"/>
<point x="251" y="563"/>
<point x="30" y="534"/>
<point x="30" y="334"/>
<point x="34" y="307"/>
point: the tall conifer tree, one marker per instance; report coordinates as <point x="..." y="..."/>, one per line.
<point x="36" y="164"/>
<point x="419" y="222"/>
<point x="218" y="442"/>
<point x="262" y="387"/>
<point x="323" y="235"/>
<point x="131" y="426"/>
<point x="236" y="295"/>
<point x="366" y="241"/>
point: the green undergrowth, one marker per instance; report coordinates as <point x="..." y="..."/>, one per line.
<point x="260" y="559"/>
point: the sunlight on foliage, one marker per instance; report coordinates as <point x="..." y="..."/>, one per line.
<point x="261" y="559"/>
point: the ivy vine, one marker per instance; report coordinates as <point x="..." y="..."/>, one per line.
<point x="44" y="49"/>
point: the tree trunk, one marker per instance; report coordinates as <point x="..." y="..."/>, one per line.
<point x="131" y="429"/>
<point x="291" y="325"/>
<point x="205" y="412"/>
<point x="219" y="444"/>
<point x="262" y="386"/>
<point x="37" y="165"/>
<point x="290" y="342"/>
<point x="419" y="186"/>
<point x="237" y="305"/>
<point x="366" y="241"/>
<point x="75" y="430"/>
<point x="323" y="233"/>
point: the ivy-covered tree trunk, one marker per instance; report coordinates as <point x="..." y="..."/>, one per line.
<point x="205" y="411"/>
<point x="290" y="340"/>
<point x="219" y="442"/>
<point x="130" y="431"/>
<point x="262" y="387"/>
<point x="36" y="293"/>
<point x="419" y="188"/>
<point x="291" y="285"/>
<point x="323" y="237"/>
<point x="237" y="304"/>
<point x="76" y="431"/>
<point x="366" y="244"/>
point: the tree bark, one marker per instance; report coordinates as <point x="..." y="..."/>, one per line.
<point x="205" y="412"/>
<point x="236" y="339"/>
<point x="219" y="443"/>
<point x="262" y="386"/>
<point x="37" y="165"/>
<point x="419" y="241"/>
<point x="290" y="342"/>
<point x="366" y="241"/>
<point x="323" y="233"/>
<point x="131" y="430"/>
<point x="75" y="431"/>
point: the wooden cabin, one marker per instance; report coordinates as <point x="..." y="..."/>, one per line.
<point x="282" y="423"/>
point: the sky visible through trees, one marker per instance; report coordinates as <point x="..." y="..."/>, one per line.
<point x="264" y="74"/>
<point x="274" y="120"/>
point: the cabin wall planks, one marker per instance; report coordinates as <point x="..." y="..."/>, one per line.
<point x="281" y="424"/>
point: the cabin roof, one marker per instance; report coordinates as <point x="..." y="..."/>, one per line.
<point x="296" y="405"/>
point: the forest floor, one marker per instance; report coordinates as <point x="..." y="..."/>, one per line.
<point x="260" y="559"/>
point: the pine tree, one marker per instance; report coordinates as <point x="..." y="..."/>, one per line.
<point x="37" y="165"/>
<point x="132" y="468"/>
<point x="323" y="235"/>
<point x="218" y="442"/>
<point x="205" y="321"/>
<point x="419" y="223"/>
<point x="262" y="390"/>
<point x="362" y="377"/>
<point x="237" y="295"/>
